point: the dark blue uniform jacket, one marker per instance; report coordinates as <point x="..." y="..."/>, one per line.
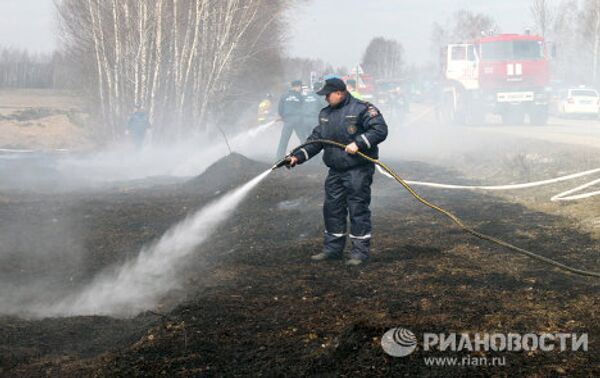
<point x="350" y="121"/>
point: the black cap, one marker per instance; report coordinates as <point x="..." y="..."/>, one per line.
<point x="332" y="85"/>
<point x="296" y="83"/>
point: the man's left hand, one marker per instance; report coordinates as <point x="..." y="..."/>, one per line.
<point x="352" y="148"/>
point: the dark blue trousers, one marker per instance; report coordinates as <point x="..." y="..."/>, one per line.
<point x="348" y="193"/>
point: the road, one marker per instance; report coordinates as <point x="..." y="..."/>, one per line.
<point x="580" y="132"/>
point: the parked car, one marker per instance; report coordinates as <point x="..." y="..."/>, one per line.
<point x="579" y="102"/>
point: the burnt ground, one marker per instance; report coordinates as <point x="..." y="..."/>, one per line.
<point x="253" y="304"/>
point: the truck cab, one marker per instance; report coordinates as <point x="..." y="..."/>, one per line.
<point x="504" y="74"/>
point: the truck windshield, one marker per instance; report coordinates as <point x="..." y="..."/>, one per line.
<point x="505" y="50"/>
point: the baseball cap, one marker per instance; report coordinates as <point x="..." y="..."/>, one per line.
<point x="332" y="85"/>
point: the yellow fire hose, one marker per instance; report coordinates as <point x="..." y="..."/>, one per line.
<point x="448" y="214"/>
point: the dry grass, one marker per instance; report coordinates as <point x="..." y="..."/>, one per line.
<point x="42" y="120"/>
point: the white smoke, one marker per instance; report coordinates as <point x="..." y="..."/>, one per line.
<point x="184" y="159"/>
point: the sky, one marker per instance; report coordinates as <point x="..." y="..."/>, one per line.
<point x="336" y="31"/>
<point x="28" y="24"/>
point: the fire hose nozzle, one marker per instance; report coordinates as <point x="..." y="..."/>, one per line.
<point x="282" y="163"/>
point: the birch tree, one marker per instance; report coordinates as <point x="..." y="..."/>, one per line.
<point x="176" y="58"/>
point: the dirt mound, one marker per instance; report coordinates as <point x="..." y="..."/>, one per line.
<point x="226" y="173"/>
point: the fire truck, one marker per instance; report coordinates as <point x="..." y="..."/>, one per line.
<point x="505" y="74"/>
<point x="364" y="82"/>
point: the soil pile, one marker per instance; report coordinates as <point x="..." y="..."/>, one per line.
<point x="225" y="174"/>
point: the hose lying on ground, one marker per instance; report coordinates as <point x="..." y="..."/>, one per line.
<point x="564" y="196"/>
<point x="451" y="216"/>
<point x="567" y="195"/>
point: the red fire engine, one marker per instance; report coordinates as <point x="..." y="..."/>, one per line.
<point x="505" y="74"/>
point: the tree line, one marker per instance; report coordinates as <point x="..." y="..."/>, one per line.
<point x="22" y="69"/>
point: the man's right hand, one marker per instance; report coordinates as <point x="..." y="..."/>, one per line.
<point x="292" y="161"/>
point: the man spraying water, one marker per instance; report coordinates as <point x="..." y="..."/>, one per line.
<point x="361" y="127"/>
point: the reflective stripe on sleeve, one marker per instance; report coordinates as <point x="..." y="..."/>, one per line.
<point x="366" y="140"/>
<point x="305" y="153"/>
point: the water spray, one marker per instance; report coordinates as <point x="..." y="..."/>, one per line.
<point x="141" y="283"/>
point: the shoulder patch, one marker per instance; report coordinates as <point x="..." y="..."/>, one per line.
<point x="373" y="112"/>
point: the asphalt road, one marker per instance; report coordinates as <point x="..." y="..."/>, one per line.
<point x="583" y="132"/>
<point x="580" y="132"/>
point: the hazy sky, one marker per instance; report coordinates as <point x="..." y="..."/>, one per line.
<point x="338" y="31"/>
<point x="27" y="24"/>
<point x="335" y="30"/>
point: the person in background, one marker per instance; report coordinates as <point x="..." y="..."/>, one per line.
<point x="292" y="114"/>
<point x="264" y="109"/>
<point x="138" y="126"/>
<point x="313" y="103"/>
<point x="352" y="89"/>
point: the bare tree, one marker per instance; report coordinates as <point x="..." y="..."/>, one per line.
<point x="300" y="68"/>
<point x="384" y="59"/>
<point x="439" y="37"/>
<point x="176" y="58"/>
<point x="22" y="69"/>
<point x="469" y="25"/>
<point x="463" y="26"/>
<point x="543" y="13"/>
<point x="591" y="34"/>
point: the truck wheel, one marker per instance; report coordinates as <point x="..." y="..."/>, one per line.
<point x="475" y="116"/>
<point x="538" y="117"/>
<point x="448" y="112"/>
<point x="513" y="117"/>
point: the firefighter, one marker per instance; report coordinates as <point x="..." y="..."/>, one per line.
<point x="291" y="113"/>
<point x="361" y="127"/>
<point x="351" y="85"/>
<point x="313" y="103"/>
<point x="264" y="109"/>
<point x="138" y="126"/>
